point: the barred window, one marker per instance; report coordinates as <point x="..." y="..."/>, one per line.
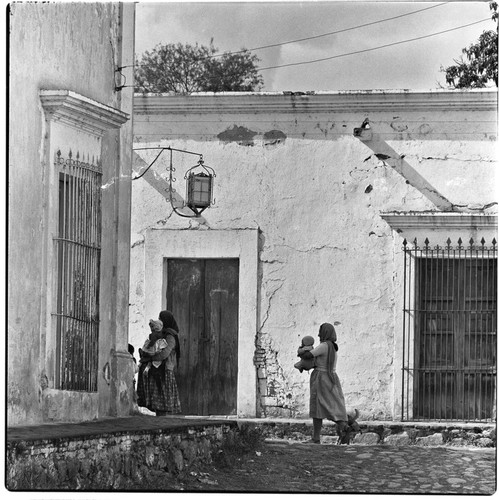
<point x="450" y="334"/>
<point x="78" y="250"/>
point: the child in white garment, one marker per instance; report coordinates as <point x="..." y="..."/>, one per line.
<point x="153" y="344"/>
<point x="307" y="344"/>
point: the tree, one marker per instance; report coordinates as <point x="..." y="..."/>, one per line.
<point x="184" y="69"/>
<point x="480" y="67"/>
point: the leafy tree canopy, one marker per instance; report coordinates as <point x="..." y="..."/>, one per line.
<point x="184" y="69"/>
<point x="479" y="68"/>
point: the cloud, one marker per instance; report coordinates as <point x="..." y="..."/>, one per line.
<point x="252" y="24"/>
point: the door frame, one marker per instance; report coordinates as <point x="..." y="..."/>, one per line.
<point x="162" y="244"/>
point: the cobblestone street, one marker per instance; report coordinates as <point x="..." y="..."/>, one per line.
<point x="281" y="466"/>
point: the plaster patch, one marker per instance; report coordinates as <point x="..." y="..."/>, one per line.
<point x="424" y="129"/>
<point x="112" y="181"/>
<point x="44" y="381"/>
<point x="279" y="394"/>
<point x="241" y="135"/>
<point x="41" y="149"/>
<point x="274" y="137"/>
<point x="399" y="127"/>
<point x="422" y="158"/>
<point x="323" y="130"/>
<point x="314" y="248"/>
<point x="137" y="243"/>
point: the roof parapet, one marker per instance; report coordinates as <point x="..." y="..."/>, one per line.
<point x="348" y="101"/>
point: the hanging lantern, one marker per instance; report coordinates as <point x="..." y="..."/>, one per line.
<point x="199" y="187"/>
<point x="199" y="183"/>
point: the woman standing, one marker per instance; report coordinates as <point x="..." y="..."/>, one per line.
<point x="326" y="395"/>
<point x="156" y="387"/>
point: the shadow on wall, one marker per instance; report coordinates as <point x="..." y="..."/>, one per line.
<point x="385" y="153"/>
<point x="159" y="183"/>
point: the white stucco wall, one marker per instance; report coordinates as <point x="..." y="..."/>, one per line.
<point x="291" y="167"/>
<point x="74" y="49"/>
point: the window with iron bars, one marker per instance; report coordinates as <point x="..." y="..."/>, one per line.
<point x="450" y="333"/>
<point x="78" y="251"/>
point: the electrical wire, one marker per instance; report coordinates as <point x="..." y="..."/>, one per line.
<point x="372" y="48"/>
<point x="321" y="35"/>
<point x="330" y="33"/>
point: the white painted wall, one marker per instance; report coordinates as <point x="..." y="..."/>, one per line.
<point x="316" y="195"/>
<point x="68" y="47"/>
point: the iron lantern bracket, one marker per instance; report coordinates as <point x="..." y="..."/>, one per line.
<point x="209" y="172"/>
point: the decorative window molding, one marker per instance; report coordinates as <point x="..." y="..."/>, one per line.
<point x="402" y="222"/>
<point x="81" y="112"/>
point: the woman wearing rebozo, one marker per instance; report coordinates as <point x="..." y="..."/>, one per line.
<point x="156" y="386"/>
<point x="326" y="395"/>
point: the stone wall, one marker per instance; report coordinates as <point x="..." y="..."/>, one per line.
<point x="394" y="433"/>
<point x="112" y="461"/>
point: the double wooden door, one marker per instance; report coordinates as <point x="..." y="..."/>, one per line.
<point x="203" y="296"/>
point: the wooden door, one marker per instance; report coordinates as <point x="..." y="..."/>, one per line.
<point x="203" y="296"/>
<point x="456" y="339"/>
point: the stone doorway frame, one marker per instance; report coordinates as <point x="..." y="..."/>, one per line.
<point x="162" y="244"/>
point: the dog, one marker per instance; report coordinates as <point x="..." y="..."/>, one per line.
<point x="351" y="429"/>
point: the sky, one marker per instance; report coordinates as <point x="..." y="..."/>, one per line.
<point x="246" y="25"/>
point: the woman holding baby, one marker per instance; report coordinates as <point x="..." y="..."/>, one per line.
<point x="156" y="386"/>
<point x="326" y="395"/>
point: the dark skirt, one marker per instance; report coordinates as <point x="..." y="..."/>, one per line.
<point x="326" y="397"/>
<point x="157" y="389"/>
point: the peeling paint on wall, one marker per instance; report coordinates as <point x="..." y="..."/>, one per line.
<point x="274" y="137"/>
<point x="276" y="396"/>
<point x="399" y="127"/>
<point x="242" y="135"/>
<point x="424" y="129"/>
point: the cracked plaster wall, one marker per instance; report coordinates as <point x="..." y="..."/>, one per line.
<point x="325" y="253"/>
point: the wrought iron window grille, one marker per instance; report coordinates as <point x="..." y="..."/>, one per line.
<point x="449" y="331"/>
<point x="78" y="251"/>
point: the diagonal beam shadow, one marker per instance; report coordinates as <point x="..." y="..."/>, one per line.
<point x="159" y="184"/>
<point x="387" y="154"/>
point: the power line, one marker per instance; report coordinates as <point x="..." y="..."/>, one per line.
<point x="322" y="35"/>
<point x="330" y="33"/>
<point x="373" y="48"/>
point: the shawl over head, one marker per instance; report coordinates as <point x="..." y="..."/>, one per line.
<point x="170" y="327"/>
<point x="327" y="334"/>
<point x="168" y="320"/>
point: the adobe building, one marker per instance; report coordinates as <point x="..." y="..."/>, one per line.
<point x="375" y="211"/>
<point x="70" y="147"/>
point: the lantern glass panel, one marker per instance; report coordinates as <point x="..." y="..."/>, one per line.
<point x="199" y="190"/>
